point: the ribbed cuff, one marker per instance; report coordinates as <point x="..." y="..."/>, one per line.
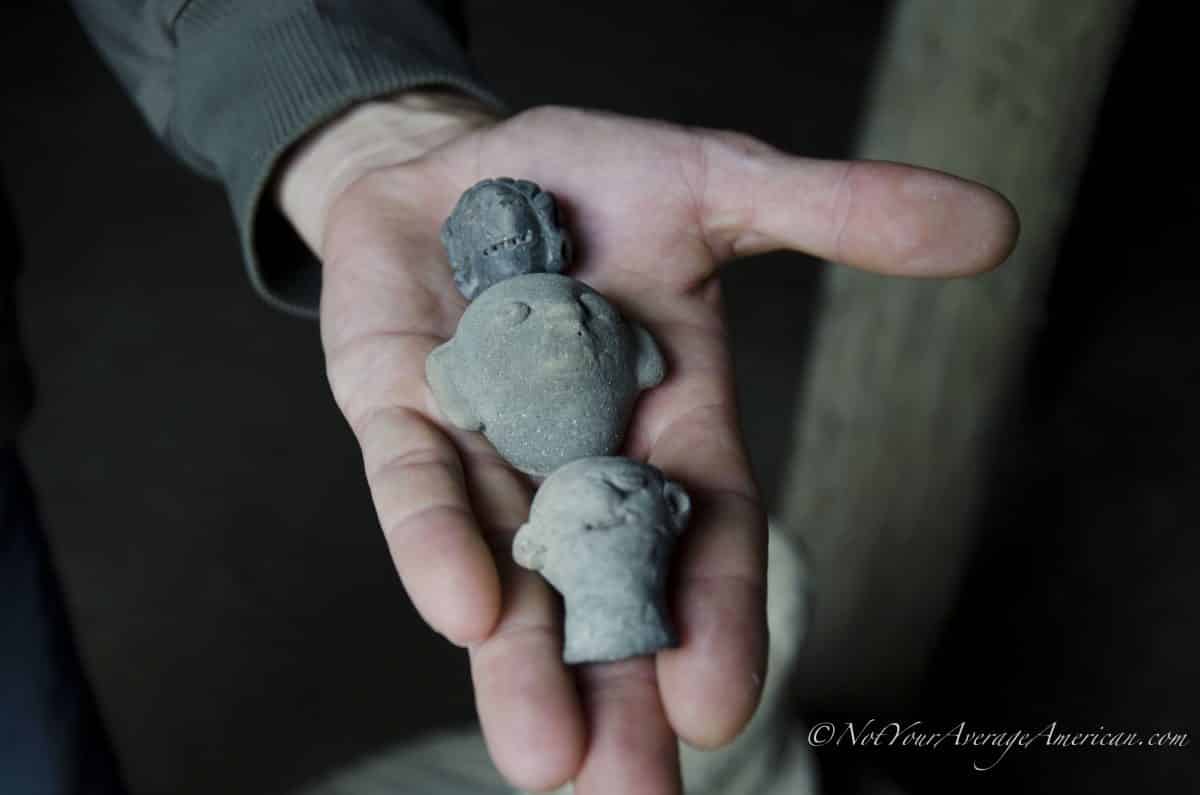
<point x="255" y="78"/>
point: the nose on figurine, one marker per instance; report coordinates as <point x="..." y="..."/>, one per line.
<point x="572" y="312"/>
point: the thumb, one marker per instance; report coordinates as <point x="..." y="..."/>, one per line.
<point x="885" y="217"/>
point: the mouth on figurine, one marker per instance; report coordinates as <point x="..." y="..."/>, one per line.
<point x="509" y="243"/>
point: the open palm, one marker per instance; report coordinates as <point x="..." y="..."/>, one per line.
<point x="653" y="209"/>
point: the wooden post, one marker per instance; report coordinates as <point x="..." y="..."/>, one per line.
<point x="907" y="379"/>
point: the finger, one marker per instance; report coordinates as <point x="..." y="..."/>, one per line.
<point x="688" y="429"/>
<point x="419" y="489"/>
<point x="712" y="682"/>
<point x="632" y="748"/>
<point x="528" y="708"/>
<point x="884" y="217"/>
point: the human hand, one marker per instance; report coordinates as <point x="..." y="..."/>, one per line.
<point x="654" y="209"/>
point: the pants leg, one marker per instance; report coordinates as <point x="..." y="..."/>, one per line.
<point x="51" y="738"/>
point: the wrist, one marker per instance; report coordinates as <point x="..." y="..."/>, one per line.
<point x="371" y="136"/>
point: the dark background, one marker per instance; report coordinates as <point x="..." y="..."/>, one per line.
<point x="206" y="505"/>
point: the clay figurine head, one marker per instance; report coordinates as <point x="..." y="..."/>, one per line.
<point x="601" y="531"/>
<point x="546" y="368"/>
<point x="502" y="228"/>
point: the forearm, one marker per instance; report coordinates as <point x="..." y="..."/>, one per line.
<point x="231" y="87"/>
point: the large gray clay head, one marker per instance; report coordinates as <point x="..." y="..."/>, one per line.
<point x="503" y="228"/>
<point x="601" y="531"/>
<point x="546" y="368"/>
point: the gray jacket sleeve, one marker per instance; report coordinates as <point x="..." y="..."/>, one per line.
<point x="230" y="85"/>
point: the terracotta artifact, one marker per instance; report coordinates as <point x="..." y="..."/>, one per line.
<point x="601" y="531"/>
<point x="546" y="368"/>
<point x="502" y="228"/>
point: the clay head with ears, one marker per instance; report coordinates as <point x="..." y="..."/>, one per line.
<point x="502" y="228"/>
<point x="546" y="368"/>
<point x="601" y="531"/>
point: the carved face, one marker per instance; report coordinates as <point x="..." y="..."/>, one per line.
<point x="502" y="228"/>
<point x="602" y="527"/>
<point x="546" y="368"/>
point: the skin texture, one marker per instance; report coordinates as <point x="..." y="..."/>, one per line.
<point x="654" y="210"/>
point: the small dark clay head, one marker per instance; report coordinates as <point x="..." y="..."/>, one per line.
<point x="601" y="531"/>
<point x="502" y="228"/>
